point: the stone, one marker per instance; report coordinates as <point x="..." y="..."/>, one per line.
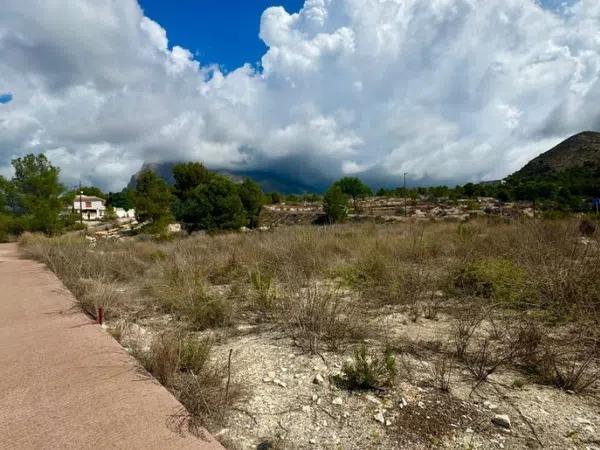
<point x="421" y="405"/>
<point x="501" y="420"/>
<point x="271" y="375"/>
<point x="338" y="401"/>
<point x="487" y="404"/>
<point x="266" y="380"/>
<point x="318" y="379"/>
<point x="373" y="399"/>
<point x="315" y="397"/>
<point x="379" y="417"/>
<point x="306" y="409"/>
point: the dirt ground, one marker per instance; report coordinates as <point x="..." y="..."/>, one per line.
<point x="289" y="408"/>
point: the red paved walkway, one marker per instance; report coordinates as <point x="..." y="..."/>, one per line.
<point x="65" y="383"/>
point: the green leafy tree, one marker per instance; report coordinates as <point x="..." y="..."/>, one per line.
<point x="152" y="200"/>
<point x="188" y="176"/>
<point x="37" y="193"/>
<point x="123" y="199"/>
<point x="275" y="198"/>
<point x="252" y="198"/>
<point x="354" y="188"/>
<point x="335" y="204"/>
<point x="214" y="205"/>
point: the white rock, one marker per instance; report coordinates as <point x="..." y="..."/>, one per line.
<point x="373" y="399"/>
<point x="502" y="420"/>
<point x="267" y="380"/>
<point x="489" y="405"/>
<point x="338" y="401"/>
<point x="315" y="397"/>
<point x="318" y="379"/>
<point x="271" y="375"/>
<point x="379" y="417"/>
<point x="421" y="405"/>
<point x="306" y="409"/>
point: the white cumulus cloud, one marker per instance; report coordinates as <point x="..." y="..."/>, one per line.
<point x="446" y="90"/>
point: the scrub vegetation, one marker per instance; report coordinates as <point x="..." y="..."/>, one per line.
<point x="514" y="298"/>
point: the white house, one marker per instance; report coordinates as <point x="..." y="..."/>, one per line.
<point x="123" y="213"/>
<point x="92" y="208"/>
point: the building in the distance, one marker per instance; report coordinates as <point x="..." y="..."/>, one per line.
<point x="90" y="207"/>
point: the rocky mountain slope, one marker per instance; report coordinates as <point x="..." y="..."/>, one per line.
<point x="579" y="151"/>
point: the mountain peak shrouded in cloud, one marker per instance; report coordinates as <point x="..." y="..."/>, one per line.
<point x="446" y="90"/>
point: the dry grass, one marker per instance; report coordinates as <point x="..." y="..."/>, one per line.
<point x="326" y="286"/>
<point x="184" y="365"/>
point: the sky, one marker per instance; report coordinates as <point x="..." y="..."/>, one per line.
<point x="223" y="32"/>
<point x="446" y="90"/>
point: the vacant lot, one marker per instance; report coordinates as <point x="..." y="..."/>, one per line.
<point x="361" y="336"/>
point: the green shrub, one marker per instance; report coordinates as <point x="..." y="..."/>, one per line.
<point x="263" y="290"/>
<point x="181" y="290"/>
<point x="193" y="355"/>
<point x="497" y="279"/>
<point x="369" y="372"/>
<point x="335" y="204"/>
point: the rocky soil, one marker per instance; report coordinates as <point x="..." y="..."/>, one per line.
<point x="294" y="402"/>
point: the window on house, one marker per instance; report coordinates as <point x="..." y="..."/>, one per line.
<point x="88" y="204"/>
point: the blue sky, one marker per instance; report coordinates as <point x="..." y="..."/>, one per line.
<point x="5" y="98"/>
<point x="216" y="31"/>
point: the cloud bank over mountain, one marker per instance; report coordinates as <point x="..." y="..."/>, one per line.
<point x="447" y="90"/>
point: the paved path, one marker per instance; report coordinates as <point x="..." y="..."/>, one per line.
<point x="64" y="382"/>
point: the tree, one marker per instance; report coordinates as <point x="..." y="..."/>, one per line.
<point x="123" y="199"/>
<point x="354" y="188"/>
<point x="335" y="204"/>
<point x="37" y="192"/>
<point x="152" y="200"/>
<point x="252" y="198"/>
<point x="275" y="198"/>
<point x="189" y="176"/>
<point x="214" y="205"/>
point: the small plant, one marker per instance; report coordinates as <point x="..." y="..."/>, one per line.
<point x="464" y="329"/>
<point x="570" y="370"/>
<point x="518" y="383"/>
<point x="264" y="294"/>
<point x="193" y="355"/>
<point x="369" y="372"/>
<point x="162" y="360"/>
<point x="414" y="312"/>
<point x="498" y="279"/>
<point x="319" y="315"/>
<point x="529" y="345"/>
<point x="441" y="372"/>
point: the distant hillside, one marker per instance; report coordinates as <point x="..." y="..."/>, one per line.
<point x="581" y="151"/>
<point x="268" y="181"/>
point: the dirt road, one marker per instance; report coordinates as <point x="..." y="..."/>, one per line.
<point x="64" y="382"/>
